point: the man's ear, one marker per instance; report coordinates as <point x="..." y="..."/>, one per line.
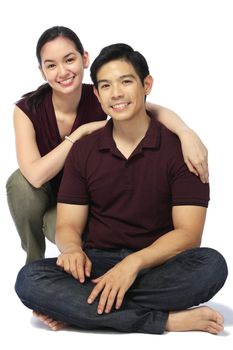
<point x="96" y="93"/>
<point x="148" y="83"/>
<point x="42" y="73"/>
<point x="86" y="60"/>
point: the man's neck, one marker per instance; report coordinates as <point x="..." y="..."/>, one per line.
<point x="128" y="134"/>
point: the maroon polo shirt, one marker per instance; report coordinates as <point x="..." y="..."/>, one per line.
<point x="130" y="199"/>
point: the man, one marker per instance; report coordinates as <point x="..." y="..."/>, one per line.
<point x="127" y="188"/>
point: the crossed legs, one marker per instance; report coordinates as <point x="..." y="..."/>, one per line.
<point x="159" y="300"/>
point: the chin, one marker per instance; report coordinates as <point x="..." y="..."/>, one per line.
<point x="122" y="118"/>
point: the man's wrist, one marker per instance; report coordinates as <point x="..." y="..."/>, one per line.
<point x="136" y="260"/>
<point x="70" y="248"/>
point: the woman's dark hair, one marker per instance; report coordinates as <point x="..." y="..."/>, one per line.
<point x="120" y="51"/>
<point x="35" y="97"/>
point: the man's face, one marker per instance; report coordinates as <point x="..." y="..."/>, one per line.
<point x="120" y="90"/>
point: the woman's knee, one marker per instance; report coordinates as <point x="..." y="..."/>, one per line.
<point x="17" y="185"/>
<point x="20" y="193"/>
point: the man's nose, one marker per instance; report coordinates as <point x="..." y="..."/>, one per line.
<point x="117" y="91"/>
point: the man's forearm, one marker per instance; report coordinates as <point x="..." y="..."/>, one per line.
<point x="167" y="246"/>
<point x="69" y="229"/>
<point x="67" y="238"/>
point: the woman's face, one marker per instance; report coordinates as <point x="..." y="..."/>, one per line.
<point x="62" y="66"/>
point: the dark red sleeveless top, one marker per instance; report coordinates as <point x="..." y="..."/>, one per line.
<point x="45" y="123"/>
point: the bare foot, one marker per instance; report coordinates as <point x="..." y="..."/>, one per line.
<point x="198" y="319"/>
<point x="48" y="321"/>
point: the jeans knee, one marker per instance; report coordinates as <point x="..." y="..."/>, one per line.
<point x="22" y="284"/>
<point x="217" y="270"/>
<point x="34" y="275"/>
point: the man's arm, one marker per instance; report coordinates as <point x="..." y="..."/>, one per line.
<point x="71" y="221"/>
<point x="194" y="151"/>
<point x="188" y="224"/>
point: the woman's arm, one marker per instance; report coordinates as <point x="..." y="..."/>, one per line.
<point x="36" y="169"/>
<point x="194" y="151"/>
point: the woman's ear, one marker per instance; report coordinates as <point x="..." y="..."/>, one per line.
<point x="86" y="60"/>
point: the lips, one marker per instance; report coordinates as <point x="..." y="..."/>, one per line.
<point x="67" y="82"/>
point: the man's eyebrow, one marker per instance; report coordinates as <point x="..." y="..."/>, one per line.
<point x="103" y="81"/>
<point x="127" y="76"/>
<point x="120" y="78"/>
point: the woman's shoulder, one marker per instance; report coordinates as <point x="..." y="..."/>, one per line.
<point x="32" y="109"/>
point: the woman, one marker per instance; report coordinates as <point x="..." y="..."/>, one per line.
<point x="49" y="120"/>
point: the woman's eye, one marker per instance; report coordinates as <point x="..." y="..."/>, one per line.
<point x="50" y="66"/>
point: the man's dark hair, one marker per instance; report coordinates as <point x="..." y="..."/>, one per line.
<point x="123" y="52"/>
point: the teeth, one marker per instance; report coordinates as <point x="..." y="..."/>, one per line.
<point x="120" y="106"/>
<point x="67" y="81"/>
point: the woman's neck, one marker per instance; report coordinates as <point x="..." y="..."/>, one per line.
<point x="66" y="103"/>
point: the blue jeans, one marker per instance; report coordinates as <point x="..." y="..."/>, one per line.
<point x="188" y="279"/>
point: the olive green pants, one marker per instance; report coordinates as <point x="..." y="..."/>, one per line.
<point x="33" y="211"/>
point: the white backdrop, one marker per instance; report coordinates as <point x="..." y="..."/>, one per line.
<point x="188" y="46"/>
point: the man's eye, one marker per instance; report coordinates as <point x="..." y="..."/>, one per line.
<point x="127" y="81"/>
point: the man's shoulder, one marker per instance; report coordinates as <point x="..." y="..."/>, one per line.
<point x="89" y="142"/>
<point x="169" y="138"/>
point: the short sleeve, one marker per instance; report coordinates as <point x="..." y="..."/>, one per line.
<point x="186" y="187"/>
<point x="73" y="189"/>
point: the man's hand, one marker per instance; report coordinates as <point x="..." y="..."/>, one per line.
<point x="75" y="262"/>
<point x="114" y="284"/>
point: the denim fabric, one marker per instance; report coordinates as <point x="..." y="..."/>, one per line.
<point x="33" y="212"/>
<point x="186" y="280"/>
